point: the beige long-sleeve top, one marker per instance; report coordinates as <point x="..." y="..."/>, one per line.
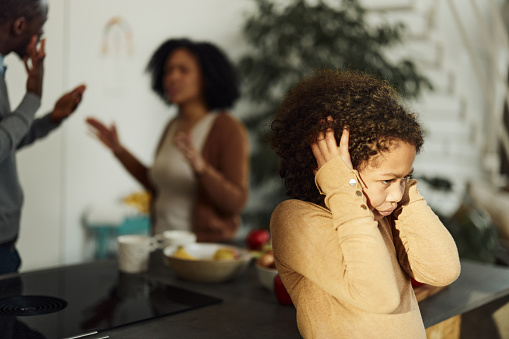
<point x="348" y="275"/>
<point x="222" y="188"/>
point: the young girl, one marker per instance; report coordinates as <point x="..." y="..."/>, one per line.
<point x="357" y="228"/>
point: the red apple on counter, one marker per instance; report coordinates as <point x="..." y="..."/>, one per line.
<point x="415" y="283"/>
<point x="281" y="293"/>
<point x="256" y="239"/>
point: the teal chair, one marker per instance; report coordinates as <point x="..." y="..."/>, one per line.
<point x="105" y="234"/>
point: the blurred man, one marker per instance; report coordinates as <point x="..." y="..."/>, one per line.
<point x="21" y="26"/>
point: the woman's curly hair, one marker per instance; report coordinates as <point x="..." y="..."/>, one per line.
<point x="369" y="107"/>
<point x="221" y="85"/>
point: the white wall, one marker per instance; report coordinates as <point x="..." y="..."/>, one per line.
<point x="69" y="170"/>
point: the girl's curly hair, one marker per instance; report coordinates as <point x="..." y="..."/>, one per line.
<point x="368" y="106"/>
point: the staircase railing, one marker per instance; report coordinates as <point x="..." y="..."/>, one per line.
<point x="497" y="131"/>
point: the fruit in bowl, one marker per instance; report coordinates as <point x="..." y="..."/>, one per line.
<point x="266" y="276"/>
<point x="266" y="269"/>
<point x="266" y="259"/>
<point x="225" y="254"/>
<point x="182" y="254"/>
<point x="207" y="262"/>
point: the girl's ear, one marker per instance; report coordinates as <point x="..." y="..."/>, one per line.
<point x="19" y="25"/>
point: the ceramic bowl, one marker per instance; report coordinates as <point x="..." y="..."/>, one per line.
<point x="266" y="276"/>
<point x="175" y="238"/>
<point x="205" y="269"/>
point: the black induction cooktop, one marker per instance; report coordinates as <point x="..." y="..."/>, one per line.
<point x="70" y="301"/>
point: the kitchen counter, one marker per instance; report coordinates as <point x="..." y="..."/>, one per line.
<point x="247" y="310"/>
<point x="250" y="311"/>
<point x="477" y="285"/>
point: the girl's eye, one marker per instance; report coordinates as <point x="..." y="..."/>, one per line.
<point x="404" y="179"/>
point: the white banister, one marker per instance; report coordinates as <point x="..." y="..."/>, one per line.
<point x="499" y="24"/>
<point x="487" y="87"/>
<point x="493" y="138"/>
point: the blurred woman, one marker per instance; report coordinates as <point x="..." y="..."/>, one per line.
<point x="199" y="178"/>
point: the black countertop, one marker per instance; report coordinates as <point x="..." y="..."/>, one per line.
<point x="477" y="285"/>
<point x="248" y="310"/>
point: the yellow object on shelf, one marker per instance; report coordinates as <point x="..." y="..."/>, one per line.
<point x="140" y="201"/>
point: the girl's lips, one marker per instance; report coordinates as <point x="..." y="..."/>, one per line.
<point x="386" y="213"/>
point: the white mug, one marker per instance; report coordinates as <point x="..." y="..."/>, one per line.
<point x="175" y="238"/>
<point x="134" y="252"/>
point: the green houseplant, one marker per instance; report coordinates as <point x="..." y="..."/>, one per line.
<point x="289" y="40"/>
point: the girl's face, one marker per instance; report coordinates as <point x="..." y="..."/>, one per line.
<point x="385" y="176"/>
<point x="182" y="80"/>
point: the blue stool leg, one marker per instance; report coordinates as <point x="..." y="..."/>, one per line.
<point x="102" y="242"/>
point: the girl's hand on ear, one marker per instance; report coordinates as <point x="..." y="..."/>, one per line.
<point x="325" y="148"/>
<point x="344" y="153"/>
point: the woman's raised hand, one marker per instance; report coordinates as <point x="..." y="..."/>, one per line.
<point x="325" y="148"/>
<point x="107" y="135"/>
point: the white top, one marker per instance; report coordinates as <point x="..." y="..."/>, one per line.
<point x="174" y="179"/>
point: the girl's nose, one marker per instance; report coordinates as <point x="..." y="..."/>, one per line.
<point x="397" y="192"/>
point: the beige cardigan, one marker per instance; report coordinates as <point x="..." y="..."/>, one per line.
<point x="348" y="275"/>
<point x="222" y="189"/>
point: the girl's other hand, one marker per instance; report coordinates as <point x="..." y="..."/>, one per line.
<point x="325" y="148"/>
